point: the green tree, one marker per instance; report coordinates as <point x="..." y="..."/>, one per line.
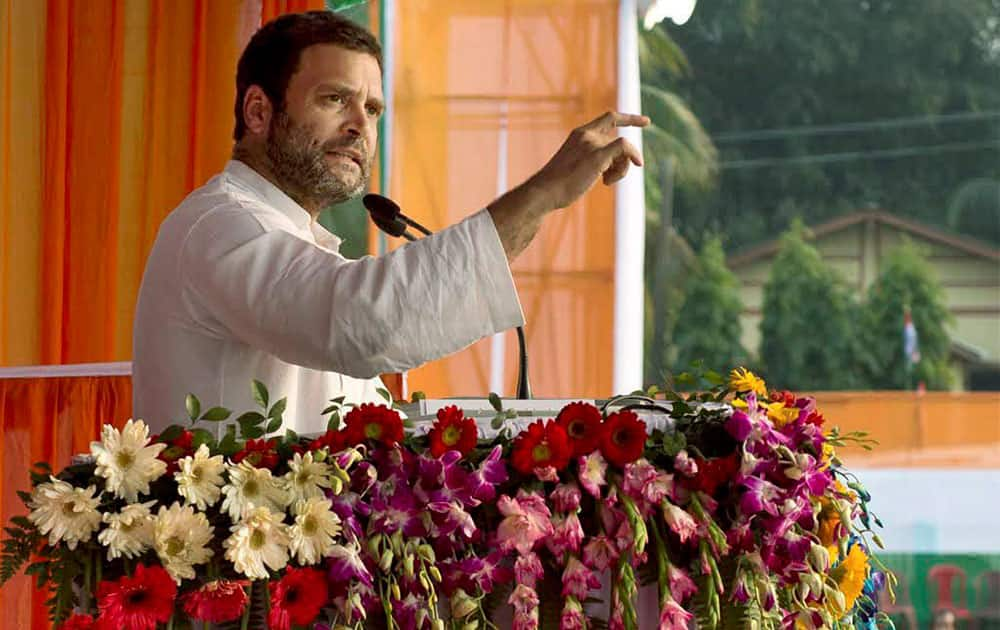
<point x="807" y="340"/>
<point x="906" y="282"/>
<point x="921" y="75"/>
<point x="679" y="155"/>
<point x="708" y="326"/>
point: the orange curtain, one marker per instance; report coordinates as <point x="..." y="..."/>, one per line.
<point x="110" y="113"/>
<point x="47" y="419"/>
<point x="537" y="68"/>
<point x="271" y="9"/>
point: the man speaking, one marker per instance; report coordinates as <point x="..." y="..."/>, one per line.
<point x="243" y="283"/>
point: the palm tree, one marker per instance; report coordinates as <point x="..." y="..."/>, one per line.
<point x="679" y="154"/>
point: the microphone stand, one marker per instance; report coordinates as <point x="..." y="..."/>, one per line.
<point x="387" y="216"/>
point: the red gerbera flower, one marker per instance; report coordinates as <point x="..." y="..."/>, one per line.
<point x="373" y="422"/>
<point x="259" y="454"/>
<point x="217" y="601"/>
<point x="623" y="438"/>
<point x="784" y="396"/>
<point x="297" y="598"/>
<point x="180" y="446"/>
<point x="712" y="473"/>
<point x="332" y="440"/>
<point x="815" y="418"/>
<point x="138" y="602"/>
<point x="582" y="422"/>
<point x="452" y="432"/>
<point x="78" y="622"/>
<point x="540" y="446"/>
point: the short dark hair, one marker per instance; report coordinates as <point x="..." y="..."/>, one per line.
<point x="273" y="54"/>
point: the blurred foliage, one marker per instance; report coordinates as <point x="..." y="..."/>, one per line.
<point x="916" y="70"/>
<point x="906" y="281"/>
<point x="708" y="326"/>
<point x="808" y="339"/>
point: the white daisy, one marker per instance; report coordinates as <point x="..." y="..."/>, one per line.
<point x="260" y="538"/>
<point x="66" y="513"/>
<point x="199" y="478"/>
<point x="307" y="478"/>
<point x="126" y="459"/>
<point x="251" y="487"/>
<point x="129" y="533"/>
<point x="181" y="537"/>
<point x="315" y="526"/>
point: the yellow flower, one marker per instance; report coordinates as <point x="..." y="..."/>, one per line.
<point x="743" y="380"/>
<point x="850" y="576"/>
<point x="829" y="452"/>
<point x="781" y="415"/>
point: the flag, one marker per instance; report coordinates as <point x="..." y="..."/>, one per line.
<point x="911" y="343"/>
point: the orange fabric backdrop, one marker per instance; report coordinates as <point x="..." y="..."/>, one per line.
<point x="544" y="66"/>
<point x="47" y="419"/>
<point x="110" y="112"/>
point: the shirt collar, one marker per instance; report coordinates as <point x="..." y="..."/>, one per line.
<point x="280" y="201"/>
<point x="270" y="193"/>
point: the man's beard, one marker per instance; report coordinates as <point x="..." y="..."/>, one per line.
<point x="299" y="164"/>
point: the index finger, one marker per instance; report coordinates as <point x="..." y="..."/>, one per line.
<point x="612" y="119"/>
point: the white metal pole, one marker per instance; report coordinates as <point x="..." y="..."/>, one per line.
<point x="497" y="342"/>
<point x="630" y="218"/>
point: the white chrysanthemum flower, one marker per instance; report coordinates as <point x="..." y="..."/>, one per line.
<point x="199" y="478"/>
<point x="315" y="527"/>
<point x="126" y="459"/>
<point x="251" y="487"/>
<point x="306" y="478"/>
<point x="181" y="537"/>
<point x="261" y="538"/>
<point x="129" y="533"/>
<point x="65" y="513"/>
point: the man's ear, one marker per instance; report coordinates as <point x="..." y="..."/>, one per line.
<point x="257" y="110"/>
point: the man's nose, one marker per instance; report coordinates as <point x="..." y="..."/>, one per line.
<point x="357" y="121"/>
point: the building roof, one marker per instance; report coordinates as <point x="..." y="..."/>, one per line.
<point x="966" y="244"/>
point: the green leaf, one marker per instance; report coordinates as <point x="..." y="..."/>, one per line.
<point x="673" y="443"/>
<point x="201" y="436"/>
<point x="498" y="421"/>
<point x="333" y="423"/>
<point x="216" y="414"/>
<point x="384" y="393"/>
<point x="273" y="425"/>
<point x="228" y="445"/>
<point x="260" y="394"/>
<point x="417" y="396"/>
<point x="278" y="408"/>
<point x="291" y="436"/>
<point x="171" y="433"/>
<point x="495" y="401"/>
<point x="193" y="406"/>
<point x="251" y="418"/>
<point x="253" y="432"/>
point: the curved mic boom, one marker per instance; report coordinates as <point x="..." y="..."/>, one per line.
<point x="387" y="216"/>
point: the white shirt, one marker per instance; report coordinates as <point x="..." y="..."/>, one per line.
<point x="242" y="284"/>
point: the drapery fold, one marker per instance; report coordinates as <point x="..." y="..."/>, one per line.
<point x="110" y="113"/>
<point x="50" y="420"/>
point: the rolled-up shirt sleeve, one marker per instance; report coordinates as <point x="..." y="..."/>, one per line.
<point x="307" y="305"/>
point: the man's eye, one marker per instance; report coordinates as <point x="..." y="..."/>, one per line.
<point x="335" y="98"/>
<point x="373" y="111"/>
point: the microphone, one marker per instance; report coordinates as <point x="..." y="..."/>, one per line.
<point x="387" y="216"/>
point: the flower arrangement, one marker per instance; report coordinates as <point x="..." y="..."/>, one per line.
<point x="738" y="511"/>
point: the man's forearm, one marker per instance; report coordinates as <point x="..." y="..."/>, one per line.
<point x="517" y="215"/>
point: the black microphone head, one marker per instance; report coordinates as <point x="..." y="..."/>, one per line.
<point x="385" y="214"/>
<point x="381" y="206"/>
